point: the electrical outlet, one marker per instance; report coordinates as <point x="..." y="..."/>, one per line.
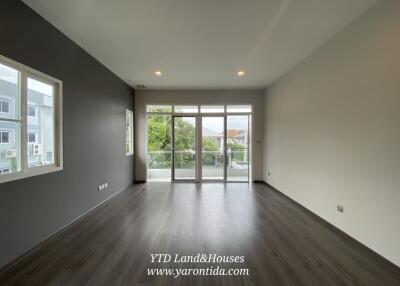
<point x="340" y="208"/>
<point x="102" y="187"/>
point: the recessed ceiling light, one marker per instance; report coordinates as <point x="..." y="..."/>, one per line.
<point x="157" y="72"/>
<point x="240" y="73"/>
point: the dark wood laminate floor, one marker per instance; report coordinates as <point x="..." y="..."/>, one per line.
<point x="282" y="243"/>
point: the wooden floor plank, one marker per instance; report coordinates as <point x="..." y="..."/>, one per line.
<point x="283" y="244"/>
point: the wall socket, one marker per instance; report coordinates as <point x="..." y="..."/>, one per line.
<point x="103" y="187"/>
<point x="339" y="208"/>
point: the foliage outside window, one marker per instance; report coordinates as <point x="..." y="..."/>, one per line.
<point x="159" y="141"/>
<point x="159" y="144"/>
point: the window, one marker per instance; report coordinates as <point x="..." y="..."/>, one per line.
<point x="31" y="111"/>
<point x="186" y="109"/>
<point x="33" y="131"/>
<point x="212" y="109"/>
<point x="31" y="137"/>
<point x="4" y="106"/>
<point x="238" y="108"/>
<point x="222" y="134"/>
<point x="4" y="137"/>
<point x="4" y="171"/>
<point x="129" y="132"/>
<point x="159" y="108"/>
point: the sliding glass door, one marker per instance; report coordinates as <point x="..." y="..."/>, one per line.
<point x="199" y="142"/>
<point x="184" y="148"/>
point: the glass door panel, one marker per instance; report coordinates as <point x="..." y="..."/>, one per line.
<point x="212" y="150"/>
<point x="238" y="161"/>
<point x="184" y="148"/>
<point x="159" y="146"/>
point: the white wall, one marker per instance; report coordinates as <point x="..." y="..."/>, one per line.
<point x="332" y="130"/>
<point x="145" y="97"/>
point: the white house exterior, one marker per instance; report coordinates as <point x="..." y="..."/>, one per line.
<point x="40" y="128"/>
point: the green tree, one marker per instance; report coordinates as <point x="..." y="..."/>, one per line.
<point x="237" y="151"/>
<point x="210" y="144"/>
<point x="159" y="139"/>
<point x="159" y="133"/>
<point x="184" y="135"/>
<point x="211" y="155"/>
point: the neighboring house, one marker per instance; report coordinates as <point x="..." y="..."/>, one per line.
<point x="40" y="119"/>
<point x="40" y="128"/>
<point x="9" y="131"/>
<point x="237" y="136"/>
<point x="236" y="159"/>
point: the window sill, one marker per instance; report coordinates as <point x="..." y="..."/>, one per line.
<point x="34" y="171"/>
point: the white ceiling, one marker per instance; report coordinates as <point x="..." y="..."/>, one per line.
<point x="200" y="43"/>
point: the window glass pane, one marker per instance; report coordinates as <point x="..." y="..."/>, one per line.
<point x="129" y="132"/>
<point x="31" y="137"/>
<point x="9" y="147"/>
<point x="237" y="141"/>
<point x="4" y="136"/>
<point x="238" y="108"/>
<point x="186" y="109"/>
<point x="159" y="108"/>
<point x="31" y="111"/>
<point x="212" y="109"/>
<point x="4" y="106"/>
<point x="9" y="92"/>
<point x="159" y="154"/>
<point x="185" y="147"/>
<point x="213" y="148"/>
<point x="41" y="150"/>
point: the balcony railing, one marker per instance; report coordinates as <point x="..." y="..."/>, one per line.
<point x="212" y="165"/>
<point x="237" y="159"/>
<point x="159" y="159"/>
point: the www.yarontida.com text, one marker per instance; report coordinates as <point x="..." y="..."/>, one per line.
<point x="200" y="259"/>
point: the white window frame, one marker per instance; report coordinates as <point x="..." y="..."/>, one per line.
<point x="129" y="115"/>
<point x="26" y="72"/>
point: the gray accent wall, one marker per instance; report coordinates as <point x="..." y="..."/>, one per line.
<point x="95" y="101"/>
